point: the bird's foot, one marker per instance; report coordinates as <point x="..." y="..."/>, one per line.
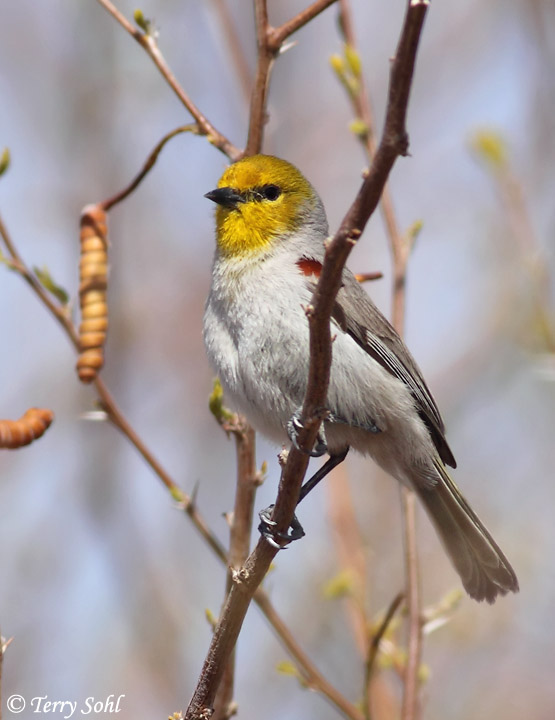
<point x="279" y="540"/>
<point x="294" y="427"/>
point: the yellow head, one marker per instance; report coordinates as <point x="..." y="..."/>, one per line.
<point x="260" y="198"/>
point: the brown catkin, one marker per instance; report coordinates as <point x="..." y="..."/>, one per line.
<point x="93" y="276"/>
<point x="17" y="433"/>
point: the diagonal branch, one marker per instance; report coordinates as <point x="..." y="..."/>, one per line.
<point x="279" y="35"/>
<point x="148" y="43"/>
<point x="394" y="142"/>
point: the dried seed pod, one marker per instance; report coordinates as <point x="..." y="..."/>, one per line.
<point x="17" y="433"/>
<point x="93" y="275"/>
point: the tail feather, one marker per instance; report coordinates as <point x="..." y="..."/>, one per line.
<point x="484" y="570"/>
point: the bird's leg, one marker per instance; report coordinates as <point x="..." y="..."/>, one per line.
<point x="295" y="531"/>
<point x="327" y="467"/>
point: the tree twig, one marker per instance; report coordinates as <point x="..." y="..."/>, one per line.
<point x="410" y="708"/>
<point x="235" y="48"/>
<point x="400" y="248"/>
<point x="239" y="544"/>
<point x="147" y="166"/>
<point x="394" y="142"/>
<point x="278" y="35"/>
<point x="269" y="42"/>
<point x="149" y="44"/>
<point x="375" y="646"/>
<point x="310" y="675"/>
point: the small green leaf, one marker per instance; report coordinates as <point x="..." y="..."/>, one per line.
<point x="45" y="279"/>
<point x="216" y="403"/>
<point x="4" y="160"/>
<point x="141" y="21"/>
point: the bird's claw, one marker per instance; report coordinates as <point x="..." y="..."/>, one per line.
<point x="278" y="540"/>
<point x="294" y="427"/>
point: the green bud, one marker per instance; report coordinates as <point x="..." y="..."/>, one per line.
<point x="359" y="128"/>
<point x="4" y="160"/>
<point x="212" y="619"/>
<point x="337" y="64"/>
<point x="491" y="148"/>
<point x="141" y="21"/>
<point x="353" y="60"/>
<point x="216" y="403"/>
<point x="285" y="667"/>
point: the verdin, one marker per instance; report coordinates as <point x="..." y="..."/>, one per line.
<point x="270" y="233"/>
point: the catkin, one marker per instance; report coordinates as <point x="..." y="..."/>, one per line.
<point x="17" y="433"/>
<point x="93" y="275"/>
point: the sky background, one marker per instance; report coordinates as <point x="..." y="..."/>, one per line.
<point x="103" y="582"/>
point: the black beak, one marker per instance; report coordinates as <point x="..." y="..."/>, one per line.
<point x="227" y="197"/>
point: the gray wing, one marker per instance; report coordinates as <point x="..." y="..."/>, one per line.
<point x="357" y="315"/>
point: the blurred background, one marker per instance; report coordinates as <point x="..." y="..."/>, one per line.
<point x="103" y="582"/>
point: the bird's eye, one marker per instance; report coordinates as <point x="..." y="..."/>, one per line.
<point x="271" y="192"/>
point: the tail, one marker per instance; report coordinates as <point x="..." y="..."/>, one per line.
<point x="484" y="570"/>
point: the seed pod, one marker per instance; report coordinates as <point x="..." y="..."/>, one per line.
<point x="93" y="275"/>
<point x="17" y="433"/>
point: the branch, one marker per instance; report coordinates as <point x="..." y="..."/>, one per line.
<point x="279" y="35"/>
<point x="269" y="43"/>
<point x="239" y="544"/>
<point x="394" y="143"/>
<point x="148" y="43"/>
<point x="375" y="646"/>
<point x="265" y="58"/>
<point x="235" y="47"/>
<point x="147" y="166"/>
<point x="400" y="249"/>
<point x="310" y="675"/>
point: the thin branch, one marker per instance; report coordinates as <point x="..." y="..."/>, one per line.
<point x="279" y="35"/>
<point x="60" y="312"/>
<point x="375" y="646"/>
<point x="310" y="675"/>
<point x="239" y="544"/>
<point x="265" y="59"/>
<point x="394" y="143"/>
<point x="400" y="248"/>
<point x="148" y="43"/>
<point x="269" y="42"/>
<point x="362" y="107"/>
<point x="349" y="547"/>
<point x="410" y="708"/>
<point x="149" y="163"/>
<point x="235" y="47"/>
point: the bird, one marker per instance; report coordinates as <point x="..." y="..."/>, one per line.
<point x="271" y="229"/>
